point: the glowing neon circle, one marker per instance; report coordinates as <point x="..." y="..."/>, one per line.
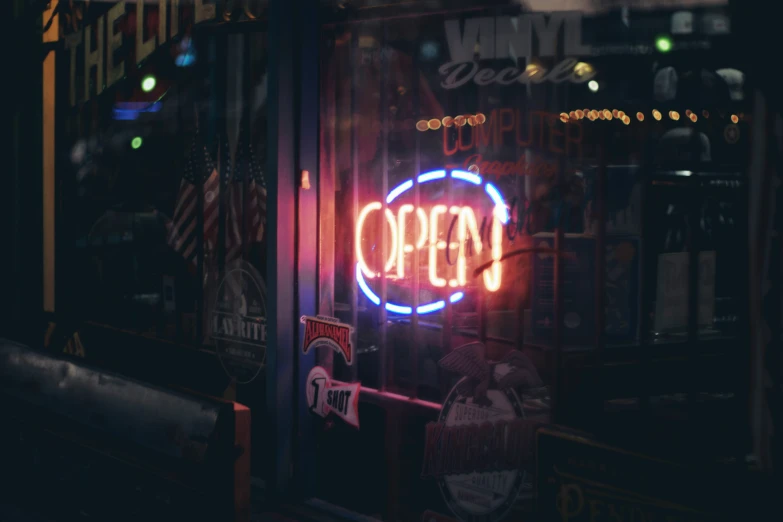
<point x="467" y="224"/>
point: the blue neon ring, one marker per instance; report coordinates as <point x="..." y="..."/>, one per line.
<point x="461" y="175"/>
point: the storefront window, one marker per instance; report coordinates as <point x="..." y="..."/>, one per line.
<point x="486" y="173"/>
<point x="519" y="206"/>
<point x="161" y="176"/>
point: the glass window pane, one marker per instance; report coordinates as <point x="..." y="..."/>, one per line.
<point x="487" y="171"/>
<point x="162" y="185"/>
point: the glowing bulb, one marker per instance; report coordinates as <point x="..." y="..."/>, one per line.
<point x="663" y="44"/>
<point x="583" y="68"/>
<point x="136" y="142"/>
<point x="148" y="83"/>
<point x="592" y="85"/>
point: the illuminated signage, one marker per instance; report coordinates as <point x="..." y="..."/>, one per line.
<point x="512" y="38"/>
<point x="462" y="233"/>
<point x="105" y="42"/>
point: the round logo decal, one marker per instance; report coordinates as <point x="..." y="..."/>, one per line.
<point x="238" y="323"/>
<point x="317" y="381"/>
<point x="480" y="448"/>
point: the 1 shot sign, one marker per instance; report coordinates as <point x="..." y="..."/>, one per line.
<point x="325" y="397"/>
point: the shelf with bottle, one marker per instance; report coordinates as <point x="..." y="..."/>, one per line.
<point x="681" y="218"/>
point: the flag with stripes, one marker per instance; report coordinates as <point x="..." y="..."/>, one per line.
<point x="183" y="228"/>
<point x="247" y="207"/>
<point x="233" y="232"/>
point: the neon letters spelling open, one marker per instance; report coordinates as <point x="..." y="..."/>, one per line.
<point x="467" y="230"/>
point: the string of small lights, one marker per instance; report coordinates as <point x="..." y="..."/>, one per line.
<point x="566" y="117"/>
<point x="450" y="121"/>
<point x="609" y="115"/>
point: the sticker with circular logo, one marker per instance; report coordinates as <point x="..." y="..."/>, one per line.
<point x="317" y="382"/>
<point x="480" y="450"/>
<point x="238" y="322"/>
<point x="731" y="133"/>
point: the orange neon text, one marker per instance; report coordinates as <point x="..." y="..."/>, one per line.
<point x="504" y="127"/>
<point x="415" y="229"/>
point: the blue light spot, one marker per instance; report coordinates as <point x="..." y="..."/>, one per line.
<point x="432" y="307"/>
<point x="466" y="176"/>
<point x="429" y="176"/>
<point x="429" y="50"/>
<point x="366" y="289"/>
<point x="399" y="189"/>
<point x="498" y="200"/>
<point x="397" y="309"/>
<point x="185" y="59"/>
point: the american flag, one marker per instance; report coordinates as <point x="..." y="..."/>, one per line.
<point x="248" y="198"/>
<point x="183" y="227"/>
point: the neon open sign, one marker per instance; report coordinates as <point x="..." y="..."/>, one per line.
<point x="458" y="224"/>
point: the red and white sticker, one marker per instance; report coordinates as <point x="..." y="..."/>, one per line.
<point x="327" y="331"/>
<point x="325" y="396"/>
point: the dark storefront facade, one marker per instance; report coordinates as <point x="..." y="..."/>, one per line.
<point x="462" y="260"/>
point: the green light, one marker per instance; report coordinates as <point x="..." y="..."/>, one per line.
<point x="148" y="83"/>
<point x="136" y="142"/>
<point x="664" y="44"/>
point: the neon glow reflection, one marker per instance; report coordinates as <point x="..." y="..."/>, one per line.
<point x="466" y="227"/>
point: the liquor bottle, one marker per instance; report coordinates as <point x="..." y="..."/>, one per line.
<point x="667" y="231"/>
<point x="720" y="227"/>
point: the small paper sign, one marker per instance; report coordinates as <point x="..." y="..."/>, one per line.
<point x="325" y="397"/>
